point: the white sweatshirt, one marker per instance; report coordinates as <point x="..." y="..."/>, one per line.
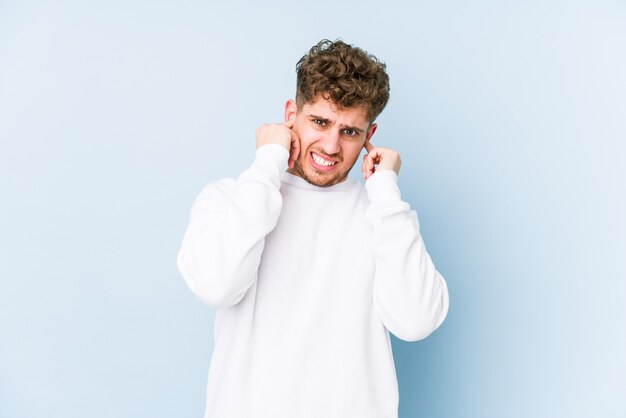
<point x="308" y="283"/>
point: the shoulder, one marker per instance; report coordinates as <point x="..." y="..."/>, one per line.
<point x="356" y="189"/>
<point x="217" y="189"/>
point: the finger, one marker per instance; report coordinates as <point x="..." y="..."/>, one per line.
<point x="294" y="151"/>
<point x="373" y="157"/>
<point x="368" y="146"/>
<point x="368" y="165"/>
<point x="289" y="123"/>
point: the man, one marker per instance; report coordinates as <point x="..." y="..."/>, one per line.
<point x="310" y="270"/>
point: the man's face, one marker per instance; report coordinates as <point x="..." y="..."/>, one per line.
<point x="331" y="140"/>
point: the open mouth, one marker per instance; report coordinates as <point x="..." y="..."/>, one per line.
<point x="322" y="162"/>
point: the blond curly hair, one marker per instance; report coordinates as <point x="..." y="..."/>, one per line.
<point x="343" y="74"/>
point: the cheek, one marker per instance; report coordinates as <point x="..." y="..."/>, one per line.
<point x="307" y="137"/>
<point x="351" y="152"/>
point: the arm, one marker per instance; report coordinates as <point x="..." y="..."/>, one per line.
<point x="222" y="246"/>
<point x="410" y="295"/>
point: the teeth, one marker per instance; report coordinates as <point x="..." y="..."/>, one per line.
<point x="319" y="160"/>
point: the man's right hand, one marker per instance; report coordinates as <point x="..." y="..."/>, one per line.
<point x="281" y="134"/>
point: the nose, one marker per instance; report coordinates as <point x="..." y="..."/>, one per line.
<point x="330" y="142"/>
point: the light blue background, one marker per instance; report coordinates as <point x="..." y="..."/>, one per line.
<point x="511" y="121"/>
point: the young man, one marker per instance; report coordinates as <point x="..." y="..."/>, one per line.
<point x="309" y="270"/>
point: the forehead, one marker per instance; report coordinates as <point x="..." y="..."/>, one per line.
<point x="351" y="116"/>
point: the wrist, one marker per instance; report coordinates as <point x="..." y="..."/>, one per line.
<point x="382" y="186"/>
<point x="272" y="153"/>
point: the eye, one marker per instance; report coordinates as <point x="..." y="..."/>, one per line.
<point x="319" y="122"/>
<point x="350" y="132"/>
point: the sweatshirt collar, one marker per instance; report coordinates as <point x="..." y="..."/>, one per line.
<point x="299" y="182"/>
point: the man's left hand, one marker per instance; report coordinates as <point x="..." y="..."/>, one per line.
<point x="378" y="158"/>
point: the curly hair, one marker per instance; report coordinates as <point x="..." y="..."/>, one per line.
<point x="345" y="75"/>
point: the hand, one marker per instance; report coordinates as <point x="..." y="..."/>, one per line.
<point x="384" y="158"/>
<point x="281" y="134"/>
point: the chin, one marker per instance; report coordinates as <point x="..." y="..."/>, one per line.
<point x="316" y="178"/>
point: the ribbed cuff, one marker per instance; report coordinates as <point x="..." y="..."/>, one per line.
<point x="382" y="186"/>
<point x="273" y="154"/>
<point x="269" y="164"/>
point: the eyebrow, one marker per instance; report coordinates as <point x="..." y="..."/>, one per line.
<point x="330" y="122"/>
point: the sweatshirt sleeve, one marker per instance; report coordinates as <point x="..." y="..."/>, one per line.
<point x="222" y="246"/>
<point x="410" y="295"/>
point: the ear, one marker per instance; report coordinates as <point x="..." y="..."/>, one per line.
<point x="370" y="132"/>
<point x="291" y="110"/>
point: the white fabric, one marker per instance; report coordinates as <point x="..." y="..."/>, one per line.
<point x="308" y="283"/>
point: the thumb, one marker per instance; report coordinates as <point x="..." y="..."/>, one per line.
<point x="294" y="150"/>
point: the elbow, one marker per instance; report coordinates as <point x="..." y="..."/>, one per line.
<point x="429" y="317"/>
<point x="218" y="298"/>
<point x="416" y="331"/>
<point x="416" y="322"/>
<point x="216" y="293"/>
<point x="209" y="286"/>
